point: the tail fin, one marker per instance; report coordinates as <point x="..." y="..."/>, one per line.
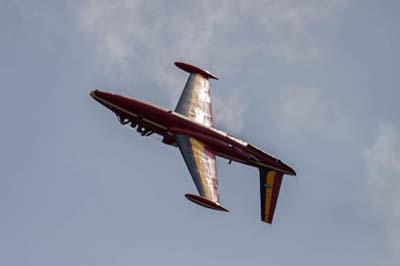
<point x="270" y="184"/>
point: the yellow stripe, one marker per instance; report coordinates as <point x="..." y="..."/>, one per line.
<point x="269" y="184"/>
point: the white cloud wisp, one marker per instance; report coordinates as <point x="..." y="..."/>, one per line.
<point x="382" y="161"/>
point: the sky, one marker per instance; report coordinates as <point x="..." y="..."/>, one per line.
<point x="314" y="82"/>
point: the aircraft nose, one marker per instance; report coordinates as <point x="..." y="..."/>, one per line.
<point x="102" y="97"/>
<point x="93" y="94"/>
<point x="98" y="96"/>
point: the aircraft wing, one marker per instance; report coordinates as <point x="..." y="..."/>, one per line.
<point x="195" y="100"/>
<point x="200" y="160"/>
<point x="270" y="184"/>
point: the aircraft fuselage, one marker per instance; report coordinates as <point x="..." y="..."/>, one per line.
<point x="168" y="123"/>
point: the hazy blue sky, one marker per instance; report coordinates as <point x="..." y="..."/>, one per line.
<point x="315" y="82"/>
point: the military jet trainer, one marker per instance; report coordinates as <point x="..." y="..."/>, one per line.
<point x="190" y="128"/>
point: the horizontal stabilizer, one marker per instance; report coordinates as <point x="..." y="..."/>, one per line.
<point x="203" y="201"/>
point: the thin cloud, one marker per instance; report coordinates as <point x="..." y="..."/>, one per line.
<point x="299" y="105"/>
<point x="191" y="28"/>
<point x="382" y="160"/>
<point x="229" y="112"/>
<point x="127" y="32"/>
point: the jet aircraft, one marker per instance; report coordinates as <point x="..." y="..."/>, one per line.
<point x="190" y="128"/>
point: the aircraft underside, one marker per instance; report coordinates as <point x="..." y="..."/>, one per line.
<point x="190" y="129"/>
